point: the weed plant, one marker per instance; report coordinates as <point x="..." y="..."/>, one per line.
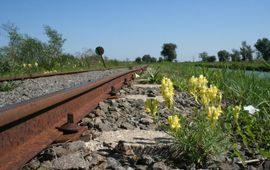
<point x="7" y="86"/>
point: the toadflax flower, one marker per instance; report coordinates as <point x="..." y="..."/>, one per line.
<point x="151" y="106"/>
<point x="205" y="95"/>
<point x="236" y="111"/>
<point x="174" y="122"/>
<point x="167" y="91"/>
<point x="213" y="113"/>
<point x="250" y="109"/>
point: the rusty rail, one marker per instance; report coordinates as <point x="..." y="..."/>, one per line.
<point x="29" y="127"/>
<point x="51" y="74"/>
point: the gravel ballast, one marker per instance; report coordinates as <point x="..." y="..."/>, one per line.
<point x="120" y="136"/>
<point x="31" y="88"/>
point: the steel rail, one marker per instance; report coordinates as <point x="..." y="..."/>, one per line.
<point x="29" y="127"/>
<point x="52" y="74"/>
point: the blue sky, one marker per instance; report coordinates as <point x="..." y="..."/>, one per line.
<point x="132" y="28"/>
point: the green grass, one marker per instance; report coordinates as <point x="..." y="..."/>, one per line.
<point x="7" y="86"/>
<point x="237" y="87"/>
<point x="245" y="65"/>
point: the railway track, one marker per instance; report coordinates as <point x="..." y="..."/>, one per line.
<point x="33" y="76"/>
<point x="30" y="126"/>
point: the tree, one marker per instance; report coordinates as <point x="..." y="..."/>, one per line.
<point x="223" y="55"/>
<point x="56" y="41"/>
<point x="153" y="60"/>
<point x="31" y="50"/>
<point x="263" y="46"/>
<point x="15" y="40"/>
<point x="211" y="58"/>
<point x="146" y="58"/>
<point x="235" y="55"/>
<point x="160" y="59"/>
<point x="138" y="60"/>
<point x="203" y="56"/>
<point x="246" y="52"/>
<point x="169" y="52"/>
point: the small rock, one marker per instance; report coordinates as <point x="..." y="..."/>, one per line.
<point x="91" y="115"/>
<point x="34" y="164"/>
<point x="60" y="151"/>
<point x="225" y="166"/>
<point x="86" y="136"/>
<point x="103" y="165"/>
<point x="159" y="166"/>
<point x="95" y="134"/>
<point x="93" y="145"/>
<point x="97" y="120"/>
<point x="145" y="160"/>
<point x="99" y="112"/>
<point x="141" y="167"/>
<point x="45" y="165"/>
<point x="47" y="155"/>
<point x="112" y="108"/>
<point x="86" y="122"/>
<point x="122" y="91"/>
<point x="94" y="159"/>
<point x="151" y="95"/>
<point x="103" y="127"/>
<point x="113" y="103"/>
<point x="126" y="125"/>
<point x="123" y="148"/>
<point x="139" y="103"/>
<point x="114" y="164"/>
<point x="146" y="121"/>
<point x="76" y="146"/>
<point x="124" y="104"/>
<point x="71" y="161"/>
<point x="219" y="158"/>
<point x="103" y="106"/>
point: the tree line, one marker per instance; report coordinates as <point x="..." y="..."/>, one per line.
<point x="245" y="53"/>
<point x="168" y="53"/>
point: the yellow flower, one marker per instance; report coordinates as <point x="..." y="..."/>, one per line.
<point x="236" y="111"/>
<point x="36" y="64"/>
<point x="150" y="106"/>
<point x="174" y="122"/>
<point x="197" y="85"/>
<point x="213" y="113"/>
<point x="167" y="91"/>
<point x="24" y="65"/>
<point x="202" y="81"/>
<point x="202" y="93"/>
<point x="29" y="65"/>
<point x="212" y="94"/>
